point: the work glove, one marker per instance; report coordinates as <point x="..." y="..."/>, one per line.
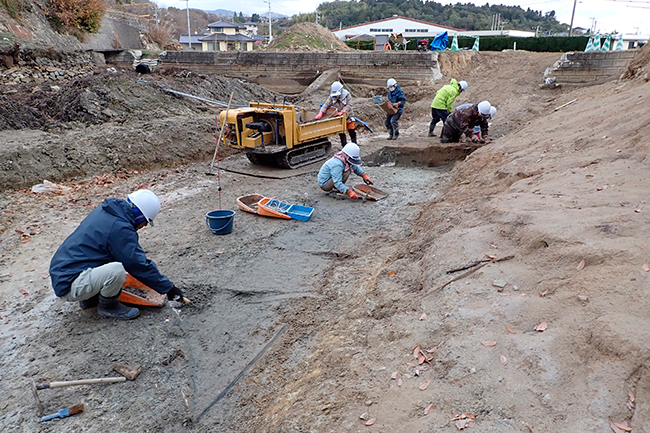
<point x="340" y="113"/>
<point x="319" y="115"/>
<point x="353" y="195"/>
<point x="175" y="294"/>
<point x="487" y="139"/>
<point x="366" y="179"/>
<point x="475" y="139"/>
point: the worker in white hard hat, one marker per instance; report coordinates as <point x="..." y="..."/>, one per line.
<point x="91" y="264"/>
<point x="477" y="128"/>
<point x="341" y="100"/>
<point x="397" y="99"/>
<point x="441" y="104"/>
<point x="336" y="171"/>
<point x="463" y="121"/>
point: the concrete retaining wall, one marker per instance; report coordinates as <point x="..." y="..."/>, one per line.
<point x="368" y="67"/>
<point x="590" y="68"/>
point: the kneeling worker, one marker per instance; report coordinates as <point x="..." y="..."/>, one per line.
<point x="464" y="120"/>
<point x="336" y="171"/>
<point x="91" y="264"/>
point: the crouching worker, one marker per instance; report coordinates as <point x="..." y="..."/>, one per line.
<point x="341" y="100"/>
<point x="464" y="120"/>
<point x="336" y="171"/>
<point x="91" y="264"/>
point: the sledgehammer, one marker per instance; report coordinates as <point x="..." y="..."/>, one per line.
<point x="49" y="385"/>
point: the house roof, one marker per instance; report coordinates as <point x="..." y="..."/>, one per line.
<point x="250" y="23"/>
<point x="222" y="37"/>
<point x="399" y="18"/>
<point x="226" y="24"/>
<point x="183" y="39"/>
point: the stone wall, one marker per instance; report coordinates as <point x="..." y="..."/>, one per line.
<point x="590" y="68"/>
<point x="368" y="67"/>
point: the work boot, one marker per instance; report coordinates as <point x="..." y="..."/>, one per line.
<point x="431" y="134"/>
<point x="111" y="307"/>
<point x="89" y="303"/>
<point x="390" y="137"/>
<point x="395" y="133"/>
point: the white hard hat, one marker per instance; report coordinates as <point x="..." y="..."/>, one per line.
<point x="147" y="202"/>
<point x="484" y="108"/>
<point x="391" y="82"/>
<point x="336" y="88"/>
<point x="493" y="112"/>
<point x="353" y="152"/>
<point x="462" y="85"/>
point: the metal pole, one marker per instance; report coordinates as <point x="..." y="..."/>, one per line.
<point x="270" y="21"/>
<point x="572" y="15"/>
<point x="189" y="33"/>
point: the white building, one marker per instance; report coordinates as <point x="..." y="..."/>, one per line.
<point x="408" y="27"/>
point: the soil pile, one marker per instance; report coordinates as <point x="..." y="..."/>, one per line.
<point x="637" y="67"/>
<point x="308" y="37"/>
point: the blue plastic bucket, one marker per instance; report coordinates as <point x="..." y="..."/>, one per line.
<point x="220" y="221"/>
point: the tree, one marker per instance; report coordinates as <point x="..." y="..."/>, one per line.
<point x="255" y="18"/>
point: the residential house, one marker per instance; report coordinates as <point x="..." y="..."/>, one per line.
<point x="251" y="28"/>
<point x="226" y="36"/>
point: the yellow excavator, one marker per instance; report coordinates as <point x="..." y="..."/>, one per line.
<point x="279" y="135"/>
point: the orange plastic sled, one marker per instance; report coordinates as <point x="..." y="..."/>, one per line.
<point x="150" y="298"/>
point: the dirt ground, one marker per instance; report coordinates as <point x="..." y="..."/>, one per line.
<point x="553" y="339"/>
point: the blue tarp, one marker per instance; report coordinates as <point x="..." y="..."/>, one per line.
<point x="440" y="42"/>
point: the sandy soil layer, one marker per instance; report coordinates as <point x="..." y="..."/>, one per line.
<point x="550" y="340"/>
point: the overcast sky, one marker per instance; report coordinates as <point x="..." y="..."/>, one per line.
<point x="626" y="16"/>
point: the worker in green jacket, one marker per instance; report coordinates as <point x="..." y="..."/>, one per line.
<point x="441" y="104"/>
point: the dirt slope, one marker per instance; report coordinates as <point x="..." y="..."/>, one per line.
<point x="562" y="191"/>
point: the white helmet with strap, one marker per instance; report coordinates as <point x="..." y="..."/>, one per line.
<point x="336" y="88"/>
<point x="147" y="202"/>
<point x="352" y="151"/>
<point x="484" y="108"/>
<point x="390" y="83"/>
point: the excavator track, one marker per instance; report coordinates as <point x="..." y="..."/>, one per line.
<point x="306" y="154"/>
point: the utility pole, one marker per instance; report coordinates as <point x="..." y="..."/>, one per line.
<point x="270" y="19"/>
<point x="189" y="33"/>
<point x="572" y="15"/>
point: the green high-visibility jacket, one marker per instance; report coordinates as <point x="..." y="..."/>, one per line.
<point x="446" y="96"/>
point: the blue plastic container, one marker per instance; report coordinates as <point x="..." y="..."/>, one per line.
<point x="302" y="213"/>
<point x="220" y="221"/>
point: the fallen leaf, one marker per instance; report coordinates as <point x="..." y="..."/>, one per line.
<point x="24" y="292"/>
<point x="630" y="400"/>
<point x="489" y="343"/>
<point x="425" y="385"/>
<point x="394" y="375"/>
<point x="463" y="423"/>
<point x="391" y="273"/>
<point x="581" y="265"/>
<point x="510" y="330"/>
<point x="370" y="422"/>
<point x="399" y="381"/>
<point x="503" y="360"/>
<point x="432" y="350"/>
<point x="491" y="257"/>
<point x="428" y="408"/>
<point x="541" y="327"/>
<point x="646" y="267"/>
<point x="364" y="416"/>
<point x="544" y="293"/>
<point x="423" y="316"/>
<point x="416" y="351"/>
<point x="619" y="427"/>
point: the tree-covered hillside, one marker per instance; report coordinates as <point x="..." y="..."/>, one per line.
<point x="461" y="16"/>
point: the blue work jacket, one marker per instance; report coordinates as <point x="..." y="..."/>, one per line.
<point x="397" y="96"/>
<point x="333" y="168"/>
<point x="106" y="235"/>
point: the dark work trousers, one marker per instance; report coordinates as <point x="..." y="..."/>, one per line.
<point x="392" y="125"/>
<point x="450" y="134"/>
<point x="353" y="137"/>
<point x="436" y="115"/>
